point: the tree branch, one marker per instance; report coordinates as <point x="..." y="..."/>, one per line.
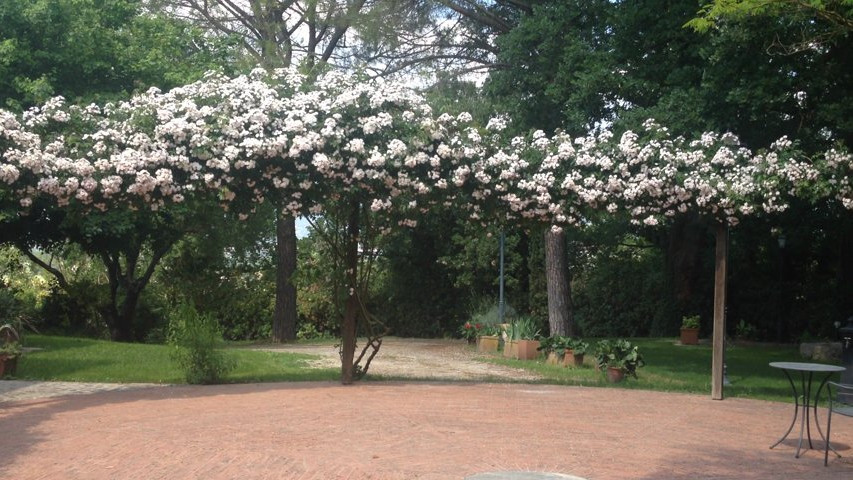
<point x="60" y="277"/>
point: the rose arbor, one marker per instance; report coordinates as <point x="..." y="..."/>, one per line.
<point x="374" y="149"/>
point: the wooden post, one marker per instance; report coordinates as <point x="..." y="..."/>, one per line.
<point x="718" y="359"/>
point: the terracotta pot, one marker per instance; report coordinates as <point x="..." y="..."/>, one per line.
<point x="511" y="349"/>
<point x="553" y="359"/>
<point x="8" y="365"/>
<point x="527" y="349"/>
<point x="573" y="360"/>
<point x="487" y="343"/>
<point x="615" y="374"/>
<point x="690" y="336"/>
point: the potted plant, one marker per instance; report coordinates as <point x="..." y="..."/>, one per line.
<point x="10" y="350"/>
<point x="618" y="358"/>
<point x="510" y="335"/>
<point x="526" y="342"/>
<point x="546" y="346"/>
<point x="489" y="338"/>
<point x="554" y="348"/>
<point x="690" y="330"/>
<point x="575" y="352"/>
<point x="470" y="331"/>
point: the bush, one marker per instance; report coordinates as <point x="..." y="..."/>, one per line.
<point x="77" y="312"/>
<point x="620" y="354"/>
<point x="307" y="331"/>
<point x="623" y="293"/>
<point x="196" y="342"/>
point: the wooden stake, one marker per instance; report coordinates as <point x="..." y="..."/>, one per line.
<point x="720" y="262"/>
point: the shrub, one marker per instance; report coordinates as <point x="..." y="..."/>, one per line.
<point x="196" y="342"/>
<point x="691" y="321"/>
<point x="620" y="354"/>
<point x="307" y="331"/>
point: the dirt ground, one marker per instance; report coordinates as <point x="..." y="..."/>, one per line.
<point x="413" y="358"/>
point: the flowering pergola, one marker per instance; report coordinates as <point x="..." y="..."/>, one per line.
<point x="377" y="148"/>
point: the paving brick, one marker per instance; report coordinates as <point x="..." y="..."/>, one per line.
<point x="393" y="430"/>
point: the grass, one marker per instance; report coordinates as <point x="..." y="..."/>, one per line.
<point x="86" y="360"/>
<point x="675" y="368"/>
<point x="669" y="367"/>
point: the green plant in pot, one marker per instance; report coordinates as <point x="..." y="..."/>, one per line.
<point x="554" y="348"/>
<point x="489" y="338"/>
<point x="470" y="331"/>
<point x="618" y="358"/>
<point x="10" y="350"/>
<point x="546" y="347"/>
<point x="690" y="330"/>
<point x="525" y="333"/>
<point x="510" y="337"/>
<point x="576" y="349"/>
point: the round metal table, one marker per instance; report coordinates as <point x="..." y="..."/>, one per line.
<point x="803" y="397"/>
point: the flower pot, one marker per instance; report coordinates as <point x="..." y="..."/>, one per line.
<point x="690" y="336"/>
<point x="487" y="343"/>
<point x="615" y="374"/>
<point x="572" y="359"/>
<point x="8" y="366"/>
<point x="472" y="341"/>
<point x="554" y="359"/>
<point x="511" y="349"/>
<point x="527" y="349"/>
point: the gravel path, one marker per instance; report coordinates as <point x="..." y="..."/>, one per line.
<point x="13" y="390"/>
<point x="413" y="358"/>
<point x="398" y="358"/>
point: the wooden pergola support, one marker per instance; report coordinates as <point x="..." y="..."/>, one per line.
<point x="719" y="352"/>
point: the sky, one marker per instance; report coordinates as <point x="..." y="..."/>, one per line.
<point x="301" y="227"/>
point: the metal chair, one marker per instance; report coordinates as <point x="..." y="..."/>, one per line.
<point x="842" y="404"/>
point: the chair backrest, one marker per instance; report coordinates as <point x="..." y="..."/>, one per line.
<point x="843" y="395"/>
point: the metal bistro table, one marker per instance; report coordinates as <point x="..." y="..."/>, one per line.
<point x="803" y="398"/>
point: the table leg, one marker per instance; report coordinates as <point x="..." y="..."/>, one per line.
<point x="796" y="409"/>
<point x="816" y="421"/>
<point x="805" y="414"/>
<point x="807" y="402"/>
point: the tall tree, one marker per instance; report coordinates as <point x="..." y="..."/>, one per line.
<point x="275" y="33"/>
<point x="560" y="311"/>
<point x="90" y="50"/>
<point x="385" y="38"/>
<point x="587" y="65"/>
<point x="827" y="19"/>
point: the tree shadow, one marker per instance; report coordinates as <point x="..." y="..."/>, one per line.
<point x="20" y="420"/>
<point x="703" y="464"/>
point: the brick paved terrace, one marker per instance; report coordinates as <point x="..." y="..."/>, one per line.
<point x="403" y="431"/>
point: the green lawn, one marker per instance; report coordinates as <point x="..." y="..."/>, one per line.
<point x="676" y="368"/>
<point x="87" y="360"/>
<point x="669" y="367"/>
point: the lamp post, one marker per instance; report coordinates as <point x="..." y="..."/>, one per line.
<point x="780" y="322"/>
<point x="501" y="301"/>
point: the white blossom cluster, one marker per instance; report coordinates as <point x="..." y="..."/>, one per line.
<point x="277" y="136"/>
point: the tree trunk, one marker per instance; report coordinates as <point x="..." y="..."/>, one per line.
<point x="350" y="323"/>
<point x="284" y="317"/>
<point x="120" y="313"/>
<point x="559" y="289"/>
<point x="123" y="330"/>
